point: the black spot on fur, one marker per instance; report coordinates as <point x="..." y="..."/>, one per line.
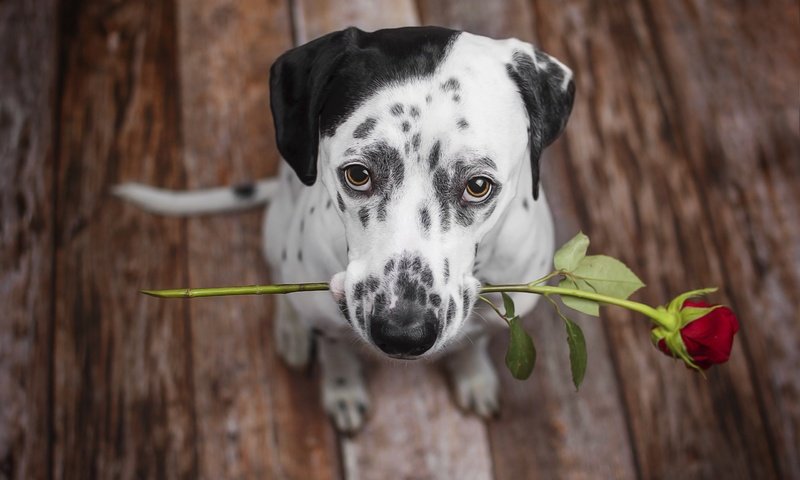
<point x="244" y="190"/>
<point x="425" y="219"/>
<point x="525" y="203"/>
<point x="360" y="318"/>
<point x="340" y="201"/>
<point x="389" y="267"/>
<point x="363" y="215"/>
<point x="446" y="269"/>
<point x="463" y="124"/>
<point x="416" y="264"/>
<point x="406" y="126"/>
<point x="372" y="283"/>
<point x="456" y="98"/>
<point x="365" y="128"/>
<point x="382" y="209"/>
<point x="427" y="276"/>
<point x="414" y="112"/>
<point x="407" y="148"/>
<point x="435" y="154"/>
<point x="451" y="310"/>
<point x="328" y="204"/>
<point x="379" y="304"/>
<point x="466" y="298"/>
<point x="359" y="291"/>
<point x="441" y="185"/>
<point x="435" y="299"/>
<point x="415" y="141"/>
<point x="451" y="85"/>
<point x="397" y="109"/>
<point x="428" y="99"/>
<point x="343" y="308"/>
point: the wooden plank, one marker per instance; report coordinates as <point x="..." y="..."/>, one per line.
<point x="414" y="430"/>
<point x="122" y="388"/>
<point x="546" y="429"/>
<point x="255" y="419"/>
<point x="314" y="18"/>
<point x="642" y="189"/>
<point x="739" y="98"/>
<point x="27" y="110"/>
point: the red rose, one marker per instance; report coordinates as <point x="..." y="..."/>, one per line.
<point x="709" y="337"/>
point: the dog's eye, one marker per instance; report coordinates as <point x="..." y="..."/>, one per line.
<point x="477" y="189"/>
<point x="357" y="177"/>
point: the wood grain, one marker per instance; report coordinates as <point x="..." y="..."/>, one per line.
<point x="740" y="136"/>
<point x="639" y="187"/>
<point x="123" y="397"/>
<point x="255" y="419"/>
<point x="563" y="433"/>
<point x="681" y="158"/>
<point x="27" y="111"/>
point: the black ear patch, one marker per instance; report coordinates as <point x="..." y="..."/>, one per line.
<point x="316" y="86"/>
<point x="548" y="96"/>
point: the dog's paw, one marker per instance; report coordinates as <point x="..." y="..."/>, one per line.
<point x="293" y="339"/>
<point x="347" y="402"/>
<point x="476" y="387"/>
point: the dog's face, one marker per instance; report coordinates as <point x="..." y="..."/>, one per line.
<point x="423" y="134"/>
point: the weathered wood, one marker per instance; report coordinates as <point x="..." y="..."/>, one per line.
<point x="314" y="18"/>
<point x="255" y="419"/>
<point x="27" y="110"/>
<point x="414" y="430"/>
<point x="123" y="397"/>
<point x="547" y="430"/>
<point x="641" y="176"/>
<point x="737" y="97"/>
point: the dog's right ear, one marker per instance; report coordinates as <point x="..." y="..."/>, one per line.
<point x="298" y="83"/>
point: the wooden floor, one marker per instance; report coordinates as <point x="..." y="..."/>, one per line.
<point x="682" y="157"/>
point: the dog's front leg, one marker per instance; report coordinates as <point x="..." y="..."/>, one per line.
<point x="291" y="334"/>
<point x="344" y="394"/>
<point x="475" y="383"/>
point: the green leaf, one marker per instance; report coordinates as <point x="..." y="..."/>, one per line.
<point x="582" y="305"/>
<point x="571" y="253"/>
<point x="508" y="303"/>
<point x="577" y="351"/>
<point x="521" y="354"/>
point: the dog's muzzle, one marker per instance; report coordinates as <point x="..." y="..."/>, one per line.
<point x="405" y="331"/>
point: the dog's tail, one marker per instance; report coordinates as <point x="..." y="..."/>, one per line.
<point x="197" y="202"/>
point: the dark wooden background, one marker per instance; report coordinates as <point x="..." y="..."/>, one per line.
<point x="682" y="157"/>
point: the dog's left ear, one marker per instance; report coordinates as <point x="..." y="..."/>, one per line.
<point x="547" y="91"/>
<point x="298" y="83"/>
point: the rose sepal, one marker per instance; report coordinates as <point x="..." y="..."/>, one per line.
<point x="676" y="304"/>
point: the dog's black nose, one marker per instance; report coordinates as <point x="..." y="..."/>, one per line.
<point x="408" y="330"/>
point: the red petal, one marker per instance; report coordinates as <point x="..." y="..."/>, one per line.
<point x="709" y="339"/>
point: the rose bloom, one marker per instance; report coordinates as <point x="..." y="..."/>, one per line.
<point x="709" y="338"/>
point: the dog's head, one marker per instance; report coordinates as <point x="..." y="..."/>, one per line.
<point x="420" y="136"/>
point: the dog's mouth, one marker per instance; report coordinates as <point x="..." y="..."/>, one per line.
<point x="400" y="321"/>
<point x="396" y="322"/>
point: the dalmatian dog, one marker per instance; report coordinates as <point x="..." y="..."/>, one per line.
<point x="411" y="178"/>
